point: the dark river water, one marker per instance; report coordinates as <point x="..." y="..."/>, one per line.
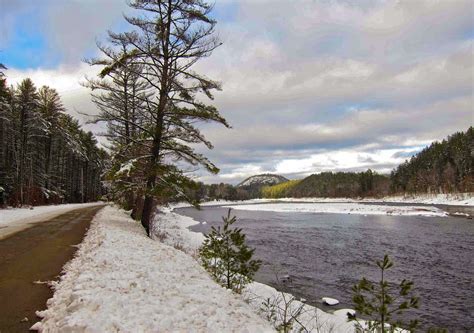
<point x="326" y="254"/>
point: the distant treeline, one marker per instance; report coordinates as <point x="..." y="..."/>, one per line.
<point x="45" y="157"/>
<point x="200" y="191"/>
<point x="443" y="167"/>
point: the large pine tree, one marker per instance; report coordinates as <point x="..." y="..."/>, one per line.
<point x="121" y="95"/>
<point x="170" y="36"/>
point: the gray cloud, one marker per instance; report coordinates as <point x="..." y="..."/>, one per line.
<point x="73" y="26"/>
<point x="70" y="27"/>
<point x="311" y="86"/>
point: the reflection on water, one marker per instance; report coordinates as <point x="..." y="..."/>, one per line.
<point x="325" y="254"/>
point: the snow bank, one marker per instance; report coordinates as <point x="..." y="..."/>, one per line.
<point x="123" y="281"/>
<point x="311" y="319"/>
<point x="456" y="199"/>
<point x="461" y="199"/>
<point x="315" y="320"/>
<point x="15" y="219"/>
<point x="172" y="229"/>
<point x="343" y="208"/>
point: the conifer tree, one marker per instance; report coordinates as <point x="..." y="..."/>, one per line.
<point x="170" y="36"/>
<point x="227" y="257"/>
<point x="381" y="302"/>
<point x="4" y="165"/>
<point x="50" y="107"/>
<point x="120" y="96"/>
<point x="27" y="121"/>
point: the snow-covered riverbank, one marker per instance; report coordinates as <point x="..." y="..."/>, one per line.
<point x="172" y="229"/>
<point x="342" y="208"/>
<point x="411" y="205"/>
<point x="454" y="199"/>
<point x="123" y="281"/>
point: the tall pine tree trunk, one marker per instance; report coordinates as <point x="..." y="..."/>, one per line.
<point x="148" y="205"/>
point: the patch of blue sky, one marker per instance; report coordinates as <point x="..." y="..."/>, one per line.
<point x="27" y="46"/>
<point x="225" y="11"/>
<point x="468" y="34"/>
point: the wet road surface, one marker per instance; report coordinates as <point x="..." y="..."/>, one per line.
<point x="36" y="254"/>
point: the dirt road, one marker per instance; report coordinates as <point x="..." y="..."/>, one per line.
<point x="36" y="254"/>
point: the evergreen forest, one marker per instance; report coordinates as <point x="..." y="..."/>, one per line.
<point x="45" y="156"/>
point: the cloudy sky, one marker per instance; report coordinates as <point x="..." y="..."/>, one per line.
<point x="308" y="86"/>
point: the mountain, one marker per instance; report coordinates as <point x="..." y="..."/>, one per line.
<point x="262" y="180"/>
<point x="253" y="185"/>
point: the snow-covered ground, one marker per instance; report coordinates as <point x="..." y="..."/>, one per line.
<point x="343" y="208"/>
<point x="172" y="229"/>
<point x="352" y="206"/>
<point x="123" y="281"/>
<point x="456" y="199"/>
<point x="15" y="219"/>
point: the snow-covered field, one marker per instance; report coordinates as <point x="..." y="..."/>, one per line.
<point x="342" y="208"/>
<point x="123" y="281"/>
<point x="456" y="199"/>
<point x="352" y="206"/>
<point x="173" y="229"/>
<point x="15" y="219"/>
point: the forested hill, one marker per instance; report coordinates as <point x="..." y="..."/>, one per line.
<point x="45" y="156"/>
<point x="446" y="166"/>
<point x="332" y="185"/>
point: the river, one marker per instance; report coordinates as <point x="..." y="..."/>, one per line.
<point x="326" y="254"/>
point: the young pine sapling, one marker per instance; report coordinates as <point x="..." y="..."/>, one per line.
<point x="227" y="257"/>
<point x="379" y="302"/>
